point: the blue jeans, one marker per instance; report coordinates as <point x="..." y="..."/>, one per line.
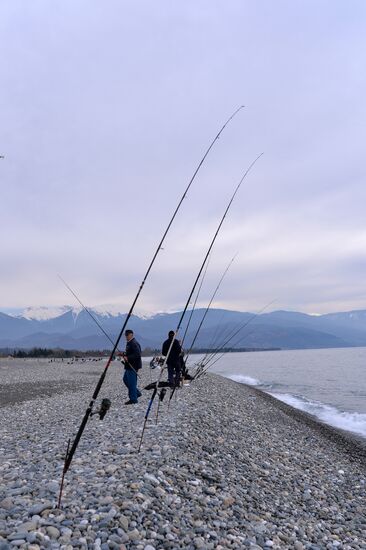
<point x="130" y="380"/>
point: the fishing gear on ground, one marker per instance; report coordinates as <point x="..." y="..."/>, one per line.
<point x="161" y="384"/>
<point x="104" y="408"/>
<point x="156" y="361"/>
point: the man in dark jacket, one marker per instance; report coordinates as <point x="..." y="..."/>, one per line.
<point x="173" y="360"/>
<point x="132" y="362"/>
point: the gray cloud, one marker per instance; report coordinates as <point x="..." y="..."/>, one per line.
<point x="106" y="109"/>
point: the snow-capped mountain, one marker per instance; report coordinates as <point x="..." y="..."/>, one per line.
<point x="45" y="313"/>
<point x="72" y="327"/>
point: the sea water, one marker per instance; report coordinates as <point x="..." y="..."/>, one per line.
<point x="328" y="383"/>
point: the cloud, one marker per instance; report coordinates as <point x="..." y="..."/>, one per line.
<point x="108" y="110"/>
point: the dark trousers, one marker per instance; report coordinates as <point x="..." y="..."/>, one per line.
<point x="174" y="373"/>
<point x="130" y="380"/>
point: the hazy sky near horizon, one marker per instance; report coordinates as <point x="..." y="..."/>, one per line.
<point x="106" y="110"/>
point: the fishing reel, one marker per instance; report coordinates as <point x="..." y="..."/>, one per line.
<point x="157" y="361"/>
<point x="104" y="408"/>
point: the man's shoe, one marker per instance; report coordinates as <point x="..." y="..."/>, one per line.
<point x="129" y="402"/>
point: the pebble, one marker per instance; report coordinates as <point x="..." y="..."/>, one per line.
<point x="152" y="479"/>
<point x="53" y="532"/>
<point x="17" y="536"/>
<point x="38" y="508"/>
<point x="133" y="535"/>
<point x="224" y="468"/>
<point x="6" y="503"/>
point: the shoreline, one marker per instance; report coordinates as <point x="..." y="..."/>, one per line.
<point x="227" y="466"/>
<point x="350" y="442"/>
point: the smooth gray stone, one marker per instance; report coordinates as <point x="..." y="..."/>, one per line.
<point x="39" y="508"/>
<point x="31" y="537"/>
<point x="7" y="503"/>
<point x="17" y="536"/>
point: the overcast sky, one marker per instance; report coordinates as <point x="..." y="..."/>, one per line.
<point x="106" y="109"/>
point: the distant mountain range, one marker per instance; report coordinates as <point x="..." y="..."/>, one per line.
<point x="72" y="328"/>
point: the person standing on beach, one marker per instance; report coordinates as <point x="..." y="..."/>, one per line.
<point x="173" y="360"/>
<point x="132" y="362"/>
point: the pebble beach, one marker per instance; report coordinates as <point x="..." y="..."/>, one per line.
<point x="227" y="466"/>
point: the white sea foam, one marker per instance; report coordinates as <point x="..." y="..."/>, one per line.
<point x="244" y="379"/>
<point x="351" y="421"/>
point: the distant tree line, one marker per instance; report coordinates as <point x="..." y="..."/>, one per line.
<point x="54" y="353"/>
<point x="66" y="353"/>
<point x="35" y="352"/>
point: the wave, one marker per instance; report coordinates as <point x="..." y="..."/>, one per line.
<point x="251" y="381"/>
<point x="351" y="421"/>
<point x="354" y="422"/>
<point x="244" y="379"/>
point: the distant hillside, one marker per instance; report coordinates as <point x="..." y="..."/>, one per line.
<point x="73" y="329"/>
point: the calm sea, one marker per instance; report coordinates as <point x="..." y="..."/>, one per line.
<point x="328" y="383"/>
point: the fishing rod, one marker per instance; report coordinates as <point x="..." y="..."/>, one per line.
<point x="89" y="409"/>
<point x="222" y="346"/>
<point x="219" y="341"/>
<point x="214" y="342"/>
<point x="209" y="305"/>
<point x="214" y="345"/>
<point x="195" y="302"/>
<point x="196" y="281"/>
<point x="208" y="364"/>
<point x="162" y="392"/>
<point x="243" y="337"/>
<point x="202" y="321"/>
<point x="87" y="310"/>
<point x="215" y="337"/>
<point x="231" y="334"/>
